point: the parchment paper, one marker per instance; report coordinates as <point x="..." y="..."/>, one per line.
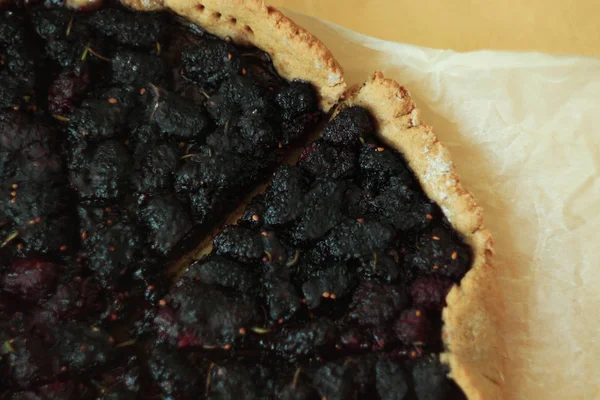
<point x="524" y="132"/>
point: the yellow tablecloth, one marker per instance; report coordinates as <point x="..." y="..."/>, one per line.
<point x="552" y="26"/>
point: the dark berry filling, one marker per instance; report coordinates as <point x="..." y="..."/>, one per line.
<point x="337" y="274"/>
<point x="124" y="138"/>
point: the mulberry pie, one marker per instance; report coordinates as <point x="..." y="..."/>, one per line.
<point x="130" y="134"/>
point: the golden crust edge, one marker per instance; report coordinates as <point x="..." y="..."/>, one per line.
<point x="295" y="52"/>
<point x="472" y="318"/>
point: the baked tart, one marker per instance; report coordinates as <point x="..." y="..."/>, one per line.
<point x="129" y="135"/>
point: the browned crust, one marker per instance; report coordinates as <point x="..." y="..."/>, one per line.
<point x="296" y="53"/>
<point x="474" y="349"/>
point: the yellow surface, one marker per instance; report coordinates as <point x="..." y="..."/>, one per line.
<point x="552" y="26"/>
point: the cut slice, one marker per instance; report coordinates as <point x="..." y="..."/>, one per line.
<point x="474" y="350"/>
<point x="127" y="150"/>
<point x="316" y="236"/>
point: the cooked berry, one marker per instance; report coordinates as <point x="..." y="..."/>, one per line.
<point x="142" y="138"/>
<point x="133" y="29"/>
<point x="352" y="239"/>
<point x="376" y="304"/>
<point x="217" y="270"/>
<point x="18" y="130"/>
<point x="430" y="292"/>
<point x="212" y="182"/>
<point x="230" y="382"/>
<point x="69" y="349"/>
<point x="42" y="217"/>
<point x="364" y="374"/>
<point x="156" y="170"/>
<point x="244" y="94"/>
<point x="11" y="90"/>
<point x="7" y="166"/>
<point x="122" y="383"/>
<point x="111" y="243"/>
<point x="377" y="167"/>
<point x="391" y="381"/>
<point x="82" y="348"/>
<point x="213" y="176"/>
<point x="348" y="127"/>
<point x="19" y="61"/>
<point x="383" y="267"/>
<point x="253" y="214"/>
<point x="305" y="339"/>
<point x="166" y="222"/>
<point x="28" y="361"/>
<point x="240" y="244"/>
<point x="210" y="62"/>
<point x="322" y="211"/>
<point x="412" y="327"/>
<point x="277" y="252"/>
<point x="124" y="98"/>
<point x="281" y="298"/>
<point x="248" y="135"/>
<point x="438" y="253"/>
<point x="12" y="324"/>
<point x="355" y="339"/>
<point x="402" y="207"/>
<point x="203" y="315"/>
<point x="104" y="174"/>
<point x="323" y="159"/>
<point x="38" y="162"/>
<point x="76" y="298"/>
<point x="98" y="119"/>
<point x="284" y="199"/>
<point x="11" y="27"/>
<point x="221" y="109"/>
<point x="332" y="282"/>
<point x="130" y="67"/>
<point x="67" y="53"/>
<point x="335" y="381"/>
<point x="30" y="279"/>
<point x="64" y="92"/>
<point x="258" y="67"/>
<point x="180" y="118"/>
<point x="297" y="99"/>
<point x="172" y="373"/>
<point x="50" y="23"/>
<point x="430" y="381"/>
<point x="299" y="127"/>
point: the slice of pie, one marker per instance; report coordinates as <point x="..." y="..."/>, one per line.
<point x="361" y="271"/>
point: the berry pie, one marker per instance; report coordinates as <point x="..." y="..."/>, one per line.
<point x="194" y="206"/>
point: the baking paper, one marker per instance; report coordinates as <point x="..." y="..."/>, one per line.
<point x="524" y="133"/>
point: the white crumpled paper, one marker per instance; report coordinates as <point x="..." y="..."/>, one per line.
<point x="524" y="133"/>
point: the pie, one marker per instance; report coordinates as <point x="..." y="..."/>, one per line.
<point x="359" y="268"/>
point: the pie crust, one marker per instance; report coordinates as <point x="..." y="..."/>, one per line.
<point x="474" y="349"/>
